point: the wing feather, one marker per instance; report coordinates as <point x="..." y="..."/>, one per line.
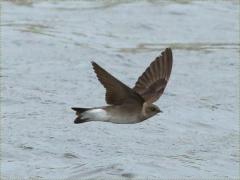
<point x="117" y="92"/>
<point x="151" y="84"/>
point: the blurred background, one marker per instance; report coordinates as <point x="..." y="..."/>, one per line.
<point x="47" y="47"/>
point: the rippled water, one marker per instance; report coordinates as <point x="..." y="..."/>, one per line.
<point x="47" y="47"/>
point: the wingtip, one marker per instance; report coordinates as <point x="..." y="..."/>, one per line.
<point x="73" y="108"/>
<point x="168" y="49"/>
<point x="95" y="65"/>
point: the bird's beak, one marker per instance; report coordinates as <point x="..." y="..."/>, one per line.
<point x="160" y="111"/>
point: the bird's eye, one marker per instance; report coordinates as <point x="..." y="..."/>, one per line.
<point x="152" y="108"/>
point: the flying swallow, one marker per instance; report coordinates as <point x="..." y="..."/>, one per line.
<point x="130" y="105"/>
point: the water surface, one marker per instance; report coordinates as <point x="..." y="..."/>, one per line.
<point x="47" y="47"/>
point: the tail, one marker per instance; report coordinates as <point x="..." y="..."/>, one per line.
<point x="79" y="112"/>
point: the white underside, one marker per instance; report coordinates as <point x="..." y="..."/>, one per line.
<point x="96" y="115"/>
<point x="102" y="115"/>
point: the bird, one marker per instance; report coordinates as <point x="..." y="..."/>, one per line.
<point x="130" y="105"/>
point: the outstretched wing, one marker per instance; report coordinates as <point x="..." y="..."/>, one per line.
<point x="151" y="84"/>
<point x="117" y="92"/>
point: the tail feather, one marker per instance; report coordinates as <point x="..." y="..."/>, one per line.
<point x="79" y="112"/>
<point x="79" y="119"/>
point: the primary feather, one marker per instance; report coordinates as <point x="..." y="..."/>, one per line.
<point x="151" y="84"/>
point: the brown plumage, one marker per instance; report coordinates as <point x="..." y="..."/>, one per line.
<point x="151" y="84"/>
<point x="117" y="92"/>
<point x="130" y="105"/>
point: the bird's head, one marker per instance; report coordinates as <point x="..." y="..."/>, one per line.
<point x="150" y="110"/>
